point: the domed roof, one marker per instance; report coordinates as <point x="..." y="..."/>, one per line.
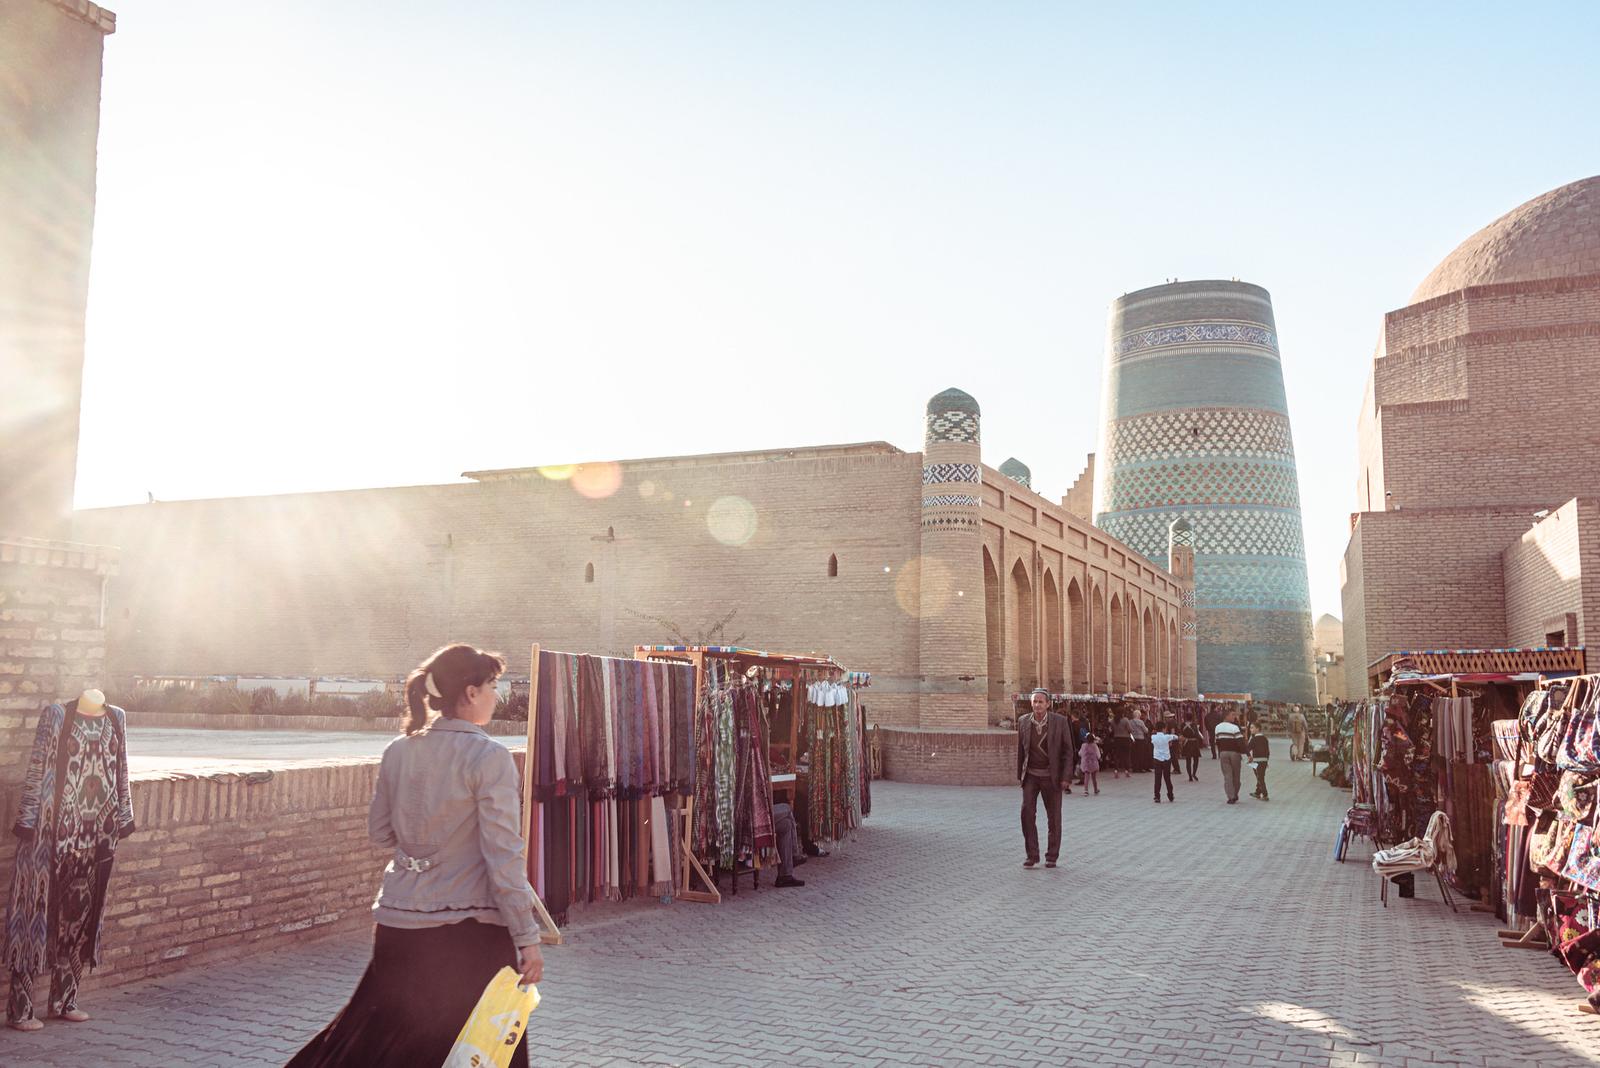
<point x="1015" y="468"/>
<point x="1180" y="524"/>
<point x="953" y="400"/>
<point x="1556" y="235"/>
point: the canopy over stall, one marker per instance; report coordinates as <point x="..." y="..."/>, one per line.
<point x="1466" y="664"/>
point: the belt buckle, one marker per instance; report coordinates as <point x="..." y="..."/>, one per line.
<point x="413" y="864"/>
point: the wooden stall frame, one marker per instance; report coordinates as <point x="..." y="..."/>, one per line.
<point x="551" y="935"/>
<point x="696" y="656"/>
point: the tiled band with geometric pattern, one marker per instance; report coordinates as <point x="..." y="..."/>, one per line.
<point x="953" y="426"/>
<point x="1217" y="532"/>
<point x="1203" y="481"/>
<point x="940" y="500"/>
<point x="1197" y="333"/>
<point x="933" y="474"/>
<point x="1196" y="432"/>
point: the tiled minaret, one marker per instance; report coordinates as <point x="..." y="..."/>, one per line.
<point x="953" y="657"/>
<point x="1195" y="425"/>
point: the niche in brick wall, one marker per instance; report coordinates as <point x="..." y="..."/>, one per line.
<point x="833" y="566"/>
<point x="588" y="572"/>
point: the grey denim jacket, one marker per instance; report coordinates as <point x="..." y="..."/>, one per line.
<point x="450" y="798"/>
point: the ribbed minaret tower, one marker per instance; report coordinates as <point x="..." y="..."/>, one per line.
<point x="1180" y="562"/>
<point x="953" y="654"/>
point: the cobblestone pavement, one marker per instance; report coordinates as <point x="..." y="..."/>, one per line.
<point x="1193" y="933"/>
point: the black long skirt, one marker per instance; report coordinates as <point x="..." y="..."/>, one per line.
<point x="416" y="994"/>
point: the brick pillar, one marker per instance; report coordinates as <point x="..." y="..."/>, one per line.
<point x="953" y="666"/>
<point x="52" y="647"/>
<point x="1180" y="561"/>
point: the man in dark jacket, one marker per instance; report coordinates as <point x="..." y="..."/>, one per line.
<point x="1044" y="767"/>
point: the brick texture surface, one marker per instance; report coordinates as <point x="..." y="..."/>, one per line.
<point x="1194" y="934"/>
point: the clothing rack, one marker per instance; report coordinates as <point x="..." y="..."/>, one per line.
<point x="551" y="935"/>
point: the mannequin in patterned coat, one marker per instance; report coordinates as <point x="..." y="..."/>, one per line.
<point x="76" y="807"/>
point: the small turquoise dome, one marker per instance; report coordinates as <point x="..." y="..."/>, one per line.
<point x="953" y="400"/>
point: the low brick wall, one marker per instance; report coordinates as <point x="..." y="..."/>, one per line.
<point x="223" y="864"/>
<point x="949" y="757"/>
<point x="190" y="721"/>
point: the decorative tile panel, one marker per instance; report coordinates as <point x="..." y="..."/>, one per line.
<point x="1220" y="481"/>
<point x="953" y="426"/>
<point x="941" y="500"/>
<point x="1200" y="432"/>
<point x="933" y="474"/>
<point x="1205" y="333"/>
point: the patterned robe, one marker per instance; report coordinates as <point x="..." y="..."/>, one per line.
<point x="64" y="859"/>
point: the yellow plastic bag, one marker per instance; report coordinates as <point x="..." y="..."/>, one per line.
<point x="492" y="1032"/>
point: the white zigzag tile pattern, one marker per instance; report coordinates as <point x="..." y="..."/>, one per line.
<point x="940" y="500"/>
<point x="933" y="474"/>
<point x="1209" y="481"/>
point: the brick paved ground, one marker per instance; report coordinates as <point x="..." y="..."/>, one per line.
<point x="1195" y="933"/>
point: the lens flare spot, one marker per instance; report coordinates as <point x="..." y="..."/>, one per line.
<point x="558" y="472"/>
<point x="597" y="481"/>
<point x="731" y="520"/>
<point x="922" y="587"/>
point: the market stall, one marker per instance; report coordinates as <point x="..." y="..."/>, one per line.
<point x="768" y="728"/>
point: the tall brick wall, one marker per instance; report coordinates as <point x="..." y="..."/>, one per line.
<point x="50" y="111"/>
<point x="1428" y="580"/>
<point x="1479" y="414"/>
<point x="366" y="582"/>
<point x="950" y="758"/>
<point x="1552" y="572"/>
<point x="52" y="648"/>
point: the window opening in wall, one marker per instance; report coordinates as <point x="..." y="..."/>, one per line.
<point x="588" y="572"/>
<point x="833" y="566"/>
<point x="1556" y="639"/>
<point x="611" y="533"/>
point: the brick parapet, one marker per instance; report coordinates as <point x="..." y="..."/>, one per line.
<point x="950" y="757"/>
<point x="230" y="863"/>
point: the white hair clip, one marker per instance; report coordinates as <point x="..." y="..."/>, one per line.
<point x="433" y="691"/>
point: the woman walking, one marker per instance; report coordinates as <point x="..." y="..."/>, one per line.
<point x="455" y="905"/>
<point x="1191" y="745"/>
<point x="1089" y="763"/>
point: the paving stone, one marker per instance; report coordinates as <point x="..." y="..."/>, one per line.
<point x="1194" y="933"/>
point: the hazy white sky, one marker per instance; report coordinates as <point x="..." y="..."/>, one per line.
<point x="353" y="244"/>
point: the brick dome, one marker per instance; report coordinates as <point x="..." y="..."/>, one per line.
<point x="1556" y="235"/>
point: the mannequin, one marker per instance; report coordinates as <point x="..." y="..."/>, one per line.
<point x="76" y="807"/>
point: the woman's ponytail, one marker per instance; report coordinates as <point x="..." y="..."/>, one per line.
<point x="416" y="701"/>
<point x="439" y="681"/>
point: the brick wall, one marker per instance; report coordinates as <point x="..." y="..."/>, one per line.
<point x="51" y="648"/>
<point x="1551" y="573"/>
<point x="250" y="586"/>
<point x="950" y="758"/>
<point x="232" y="863"/>
<point x="1428" y="580"/>
<point x="50" y="112"/>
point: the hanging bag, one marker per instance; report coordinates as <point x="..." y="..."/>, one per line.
<point x="492" y="1032"/>
<point x="1579" y="749"/>
<point x="1583" y="857"/>
<point x="1550" y="729"/>
<point x="1541" y="840"/>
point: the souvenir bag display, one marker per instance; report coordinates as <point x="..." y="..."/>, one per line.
<point x="1580" y="740"/>
<point x="1548" y="728"/>
<point x="1549" y="843"/>
<point x="1517" y="804"/>
<point x="1575" y="796"/>
<point x="1583" y="857"/>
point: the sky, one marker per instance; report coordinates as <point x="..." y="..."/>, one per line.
<point x="353" y="244"/>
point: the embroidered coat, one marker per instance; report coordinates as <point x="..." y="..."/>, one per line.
<point x="31" y="945"/>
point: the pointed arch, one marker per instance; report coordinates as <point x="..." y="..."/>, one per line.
<point x="833" y="565"/>
<point x="1053" y="671"/>
<point x="588" y="572"/>
<point x="1022" y="648"/>
<point x="1119" y="645"/>
<point x="994" y="637"/>
<point x="1150" y="655"/>
<point x="1175" y="653"/>
<point x="1099" y="678"/>
<point x="1077" y="639"/>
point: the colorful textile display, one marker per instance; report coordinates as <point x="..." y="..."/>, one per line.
<point x="612" y="738"/>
